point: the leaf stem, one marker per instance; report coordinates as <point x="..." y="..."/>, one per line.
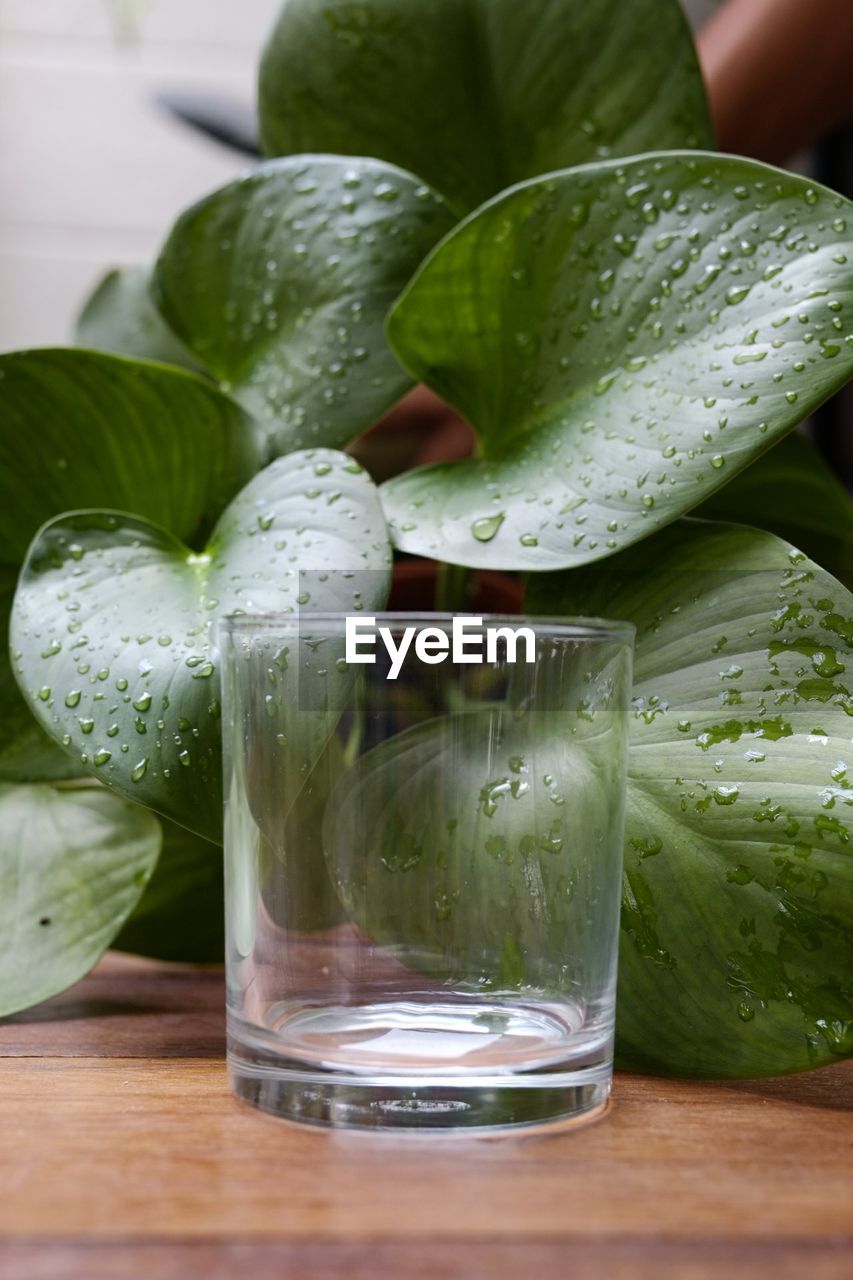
<point x="451" y="588"/>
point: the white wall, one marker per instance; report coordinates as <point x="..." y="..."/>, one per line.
<point x="92" y="172"/>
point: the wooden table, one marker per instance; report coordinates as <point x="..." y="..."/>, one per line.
<point x="122" y="1154"/>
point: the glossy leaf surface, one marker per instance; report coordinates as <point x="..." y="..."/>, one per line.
<point x="737" y="913"/>
<point x="279" y="283"/>
<point x="476" y="847"/>
<point x="791" y="492"/>
<point x="83" y="428"/>
<point x="112" y="626"/>
<point x="475" y="95"/>
<point x="79" y="427"/>
<point x="625" y="338"/>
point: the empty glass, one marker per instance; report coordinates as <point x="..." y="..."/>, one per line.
<point x="424" y="823"/>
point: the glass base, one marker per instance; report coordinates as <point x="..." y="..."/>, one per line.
<point x="400" y="1066"/>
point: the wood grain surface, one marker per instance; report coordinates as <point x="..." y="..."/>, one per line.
<point x="123" y="1155"/>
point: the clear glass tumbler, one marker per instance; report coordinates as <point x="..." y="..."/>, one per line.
<point x="424" y="825"/>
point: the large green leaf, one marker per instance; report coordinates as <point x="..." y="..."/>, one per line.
<point x="625" y="338"/>
<point x="737" y="916"/>
<point x="477" y="94"/>
<point x="120" y="316"/>
<point x="792" y="492"/>
<point x="73" y="863"/>
<point x="279" y="284"/>
<point x="181" y="913"/>
<point x="111" y="626"/>
<point x="82" y="428"/>
<point x="26" y="751"/>
<point x="479" y="847"/>
<point x="180" y="916"/>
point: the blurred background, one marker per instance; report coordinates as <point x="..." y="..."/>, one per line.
<point x="95" y="161"/>
<point x="92" y="169"/>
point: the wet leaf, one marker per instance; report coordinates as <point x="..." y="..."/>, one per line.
<point x="128" y="434"/>
<point x="112" y="625"/>
<point x="475" y="95"/>
<point x="26" y="751"/>
<point x="79" y="428"/>
<point x="736" y="952"/>
<point x="279" y="284"/>
<point x="473" y="846"/>
<point x="625" y="338"/>
<point x="792" y="492"/>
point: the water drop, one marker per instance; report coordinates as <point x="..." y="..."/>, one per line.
<point x="635" y="193"/>
<point x="486" y="527"/>
<point x="711" y="274"/>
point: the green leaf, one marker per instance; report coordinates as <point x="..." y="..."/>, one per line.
<point x="120" y="316"/>
<point x="78" y="427"/>
<point x="279" y="284"/>
<point x="112" y="621"/>
<point x="73" y="863"/>
<point x="792" y="492"/>
<point x="26" y="751"/>
<point x="474" y="95"/>
<point x="286" y="801"/>
<point x="82" y="428"/>
<point x="625" y="338"/>
<point x="737" y="948"/>
<point x="296" y="721"/>
<point x="453" y="847"/>
<point x="181" y="914"/>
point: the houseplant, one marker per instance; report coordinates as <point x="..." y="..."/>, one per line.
<point x="627" y="328"/>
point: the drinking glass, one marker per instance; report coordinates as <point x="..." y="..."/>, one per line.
<point x="423" y="846"/>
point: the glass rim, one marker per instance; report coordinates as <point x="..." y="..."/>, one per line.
<point x="575" y="627"/>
